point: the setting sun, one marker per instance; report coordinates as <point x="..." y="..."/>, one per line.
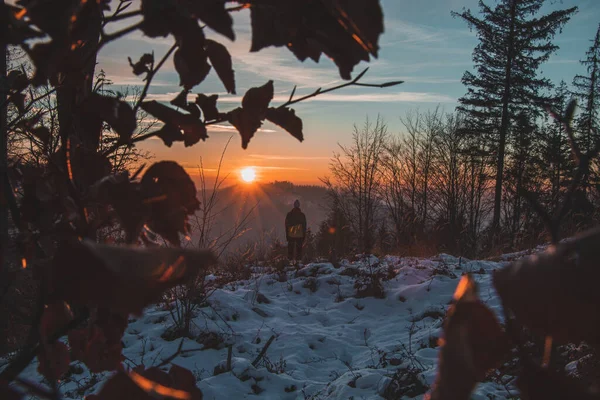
<point x="248" y="174"/>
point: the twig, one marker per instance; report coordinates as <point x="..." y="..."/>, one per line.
<point x="229" y="355"/>
<point x="224" y="117"/>
<point x="354" y="82"/>
<point x="263" y="351"/>
<point x="118" y="16"/>
<point x="172" y="356"/>
<point x="151" y="74"/>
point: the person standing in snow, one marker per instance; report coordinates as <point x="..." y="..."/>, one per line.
<point x="295" y="231"/>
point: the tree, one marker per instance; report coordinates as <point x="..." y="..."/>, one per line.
<point x="587" y="91"/>
<point x="356" y="180"/>
<point x="79" y="193"/>
<point x="334" y="238"/>
<point x="513" y="43"/>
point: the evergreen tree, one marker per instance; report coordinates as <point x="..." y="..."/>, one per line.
<point x="587" y="91"/>
<point x="514" y="42"/>
<point x="555" y="156"/>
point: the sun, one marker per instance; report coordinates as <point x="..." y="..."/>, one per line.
<point x="248" y="174"/>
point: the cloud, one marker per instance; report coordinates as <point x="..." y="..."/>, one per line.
<point x="379" y="96"/>
<point x="283" y="157"/>
<point x="229" y="128"/>
<point x="275" y="168"/>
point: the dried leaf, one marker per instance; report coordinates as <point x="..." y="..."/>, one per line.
<point x="17" y="30"/>
<point x="171" y="195"/>
<point x="126" y="199"/>
<point x="101" y="354"/>
<point x="246" y="124"/>
<point x="208" y="105"/>
<point x="286" y="118"/>
<point x="248" y="118"/>
<point x="53" y="360"/>
<point x="83" y="273"/>
<point x="117" y="113"/>
<point x="169" y="134"/>
<point x="143" y="65"/>
<point x="151" y="383"/>
<point x="214" y="14"/>
<point x="473" y="343"/>
<point x="55" y="317"/>
<point x="564" y="303"/>
<point x="193" y="129"/>
<point x="220" y="59"/>
<point x="538" y="383"/>
<point x="190" y="59"/>
<point x="346" y="31"/>
<point x="17" y="81"/>
<point x="160" y="16"/>
<point x="256" y="100"/>
<point x="18" y="100"/>
<point x="181" y="99"/>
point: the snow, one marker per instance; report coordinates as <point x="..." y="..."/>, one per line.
<point x="329" y="343"/>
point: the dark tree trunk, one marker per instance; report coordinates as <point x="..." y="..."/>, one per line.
<point x="504" y="124"/>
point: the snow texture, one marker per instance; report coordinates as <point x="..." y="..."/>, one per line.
<point x="329" y="344"/>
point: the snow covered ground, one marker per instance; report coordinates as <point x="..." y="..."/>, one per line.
<point x="328" y="343"/>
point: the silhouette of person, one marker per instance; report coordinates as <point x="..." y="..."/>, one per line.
<point x="295" y="232"/>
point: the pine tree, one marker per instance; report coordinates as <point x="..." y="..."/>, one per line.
<point x="555" y="151"/>
<point x="587" y="91"/>
<point x="514" y="42"/>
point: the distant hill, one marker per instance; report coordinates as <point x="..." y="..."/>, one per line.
<point x="268" y="205"/>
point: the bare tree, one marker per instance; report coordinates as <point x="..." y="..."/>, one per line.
<point x="356" y="179"/>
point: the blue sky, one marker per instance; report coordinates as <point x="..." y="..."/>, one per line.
<point x="422" y="45"/>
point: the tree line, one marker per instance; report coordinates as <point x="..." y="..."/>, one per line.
<point x="473" y="180"/>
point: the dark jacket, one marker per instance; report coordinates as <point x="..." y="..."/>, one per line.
<point x="294" y="218"/>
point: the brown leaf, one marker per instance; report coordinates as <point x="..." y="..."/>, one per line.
<point x="17" y="30"/>
<point x="347" y="31"/>
<point x="17" y="81"/>
<point x="246" y="124"/>
<point x="53" y="360"/>
<point x="564" y="302"/>
<point x="208" y="105"/>
<point x="538" y="383"/>
<point x="169" y="134"/>
<point x="286" y="118"/>
<point x="181" y="99"/>
<point x="214" y="14"/>
<point x="248" y="118"/>
<point x="120" y="387"/>
<point x="117" y="113"/>
<point x="220" y="59"/>
<point x="473" y="343"/>
<point x="171" y="195"/>
<point x="151" y="383"/>
<point x="160" y="16"/>
<point x="18" y="100"/>
<point x="126" y="199"/>
<point x="124" y="279"/>
<point x="143" y="65"/>
<point x="256" y="100"/>
<point x="190" y="59"/>
<point x="193" y="129"/>
<point x="55" y="317"/>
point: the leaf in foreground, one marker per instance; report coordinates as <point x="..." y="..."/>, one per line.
<point x="473" y="343"/>
<point x="555" y="293"/>
<point x="121" y="278"/>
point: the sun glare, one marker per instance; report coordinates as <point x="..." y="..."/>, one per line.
<point x="248" y="174"/>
